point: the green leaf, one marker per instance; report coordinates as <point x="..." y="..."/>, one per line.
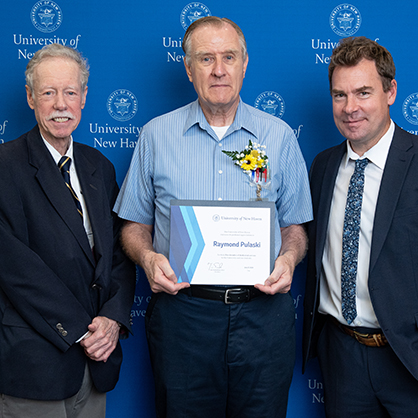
<point x="231" y="154"/>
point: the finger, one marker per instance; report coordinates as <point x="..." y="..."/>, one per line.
<point x="168" y="272"/>
<point x="102" y="356"/>
<point x="264" y="288"/>
<point x="281" y="286"/>
<point x="99" y="354"/>
<point x="97" y="350"/>
<point x="168" y="286"/>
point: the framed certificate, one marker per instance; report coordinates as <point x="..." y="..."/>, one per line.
<point x="222" y="242"/>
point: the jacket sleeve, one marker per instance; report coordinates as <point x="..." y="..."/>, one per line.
<point x="31" y="294"/>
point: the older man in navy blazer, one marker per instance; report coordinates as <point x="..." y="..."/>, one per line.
<point x="66" y="287"/>
<point x="361" y="302"/>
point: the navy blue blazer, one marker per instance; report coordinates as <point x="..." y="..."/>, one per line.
<point x="51" y="283"/>
<point x="393" y="271"/>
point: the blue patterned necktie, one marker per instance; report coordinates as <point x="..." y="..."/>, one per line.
<point x="64" y="166"/>
<point x="351" y="234"/>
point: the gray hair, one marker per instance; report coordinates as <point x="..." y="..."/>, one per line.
<point x="211" y="21"/>
<point x="57" y="50"/>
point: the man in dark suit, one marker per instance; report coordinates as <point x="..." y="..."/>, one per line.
<point x="361" y="301"/>
<point x="66" y="287"/>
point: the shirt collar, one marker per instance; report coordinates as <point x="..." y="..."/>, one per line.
<point x="378" y="153"/>
<point x="242" y="120"/>
<point x="55" y="154"/>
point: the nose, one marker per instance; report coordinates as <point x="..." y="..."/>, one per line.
<point x="60" y="102"/>
<point x="351" y="105"/>
<point x="218" y="69"/>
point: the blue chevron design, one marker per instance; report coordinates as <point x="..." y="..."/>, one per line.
<point x="187" y="239"/>
<point x="179" y="239"/>
<point x="197" y="241"/>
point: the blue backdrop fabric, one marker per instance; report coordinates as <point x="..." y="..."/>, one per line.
<point x="137" y="73"/>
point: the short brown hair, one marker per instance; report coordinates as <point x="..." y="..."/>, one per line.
<point x="351" y="51"/>
<point x="211" y="21"/>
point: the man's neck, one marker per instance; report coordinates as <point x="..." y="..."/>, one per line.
<point x="61" y="145"/>
<point x="219" y="115"/>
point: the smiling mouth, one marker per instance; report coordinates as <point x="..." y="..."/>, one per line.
<point x="351" y="122"/>
<point x="61" y="120"/>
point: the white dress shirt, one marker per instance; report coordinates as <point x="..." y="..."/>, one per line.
<point x="330" y="280"/>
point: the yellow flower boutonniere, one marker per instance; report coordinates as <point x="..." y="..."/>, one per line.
<point x="253" y="161"/>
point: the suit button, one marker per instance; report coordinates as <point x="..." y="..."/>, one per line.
<point x="61" y="329"/>
<point x="96" y="286"/>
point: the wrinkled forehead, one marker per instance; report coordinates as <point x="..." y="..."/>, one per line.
<point x="219" y="38"/>
<point x="56" y="68"/>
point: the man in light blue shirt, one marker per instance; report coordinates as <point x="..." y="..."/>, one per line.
<point x="212" y="359"/>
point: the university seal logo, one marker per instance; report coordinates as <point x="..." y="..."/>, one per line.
<point x="122" y="105"/>
<point x="410" y="108"/>
<point x="270" y="102"/>
<point x="46" y="16"/>
<point x="192" y="12"/>
<point x="345" y="20"/>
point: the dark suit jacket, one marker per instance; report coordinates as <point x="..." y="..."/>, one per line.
<point x="393" y="271"/>
<point x="51" y="285"/>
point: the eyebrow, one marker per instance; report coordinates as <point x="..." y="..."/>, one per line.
<point x="204" y="53"/>
<point x="360" y="89"/>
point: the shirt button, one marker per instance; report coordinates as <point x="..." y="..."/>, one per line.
<point x="219" y="198"/>
<point x="220" y="171"/>
<point x="220" y="144"/>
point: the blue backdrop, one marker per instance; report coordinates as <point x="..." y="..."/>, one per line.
<point x="137" y="73"/>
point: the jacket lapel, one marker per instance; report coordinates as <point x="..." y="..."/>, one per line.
<point x="51" y="182"/>
<point x="396" y="168"/>
<point x="330" y="172"/>
<point x="91" y="185"/>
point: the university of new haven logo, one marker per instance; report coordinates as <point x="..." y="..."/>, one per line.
<point x="410" y="108"/>
<point x="192" y="12"/>
<point x="270" y="102"/>
<point x="122" y="105"/>
<point x="46" y="16"/>
<point x="345" y="20"/>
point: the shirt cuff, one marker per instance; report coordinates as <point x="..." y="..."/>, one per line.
<point x="82" y="338"/>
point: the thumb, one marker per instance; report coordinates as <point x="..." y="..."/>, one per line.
<point x="93" y="326"/>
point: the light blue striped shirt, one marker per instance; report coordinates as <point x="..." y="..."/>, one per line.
<point x="179" y="156"/>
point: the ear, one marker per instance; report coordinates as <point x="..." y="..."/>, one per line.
<point x="245" y="66"/>
<point x="29" y="97"/>
<point x="392" y="92"/>
<point x="188" y="70"/>
<point x="83" y="102"/>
